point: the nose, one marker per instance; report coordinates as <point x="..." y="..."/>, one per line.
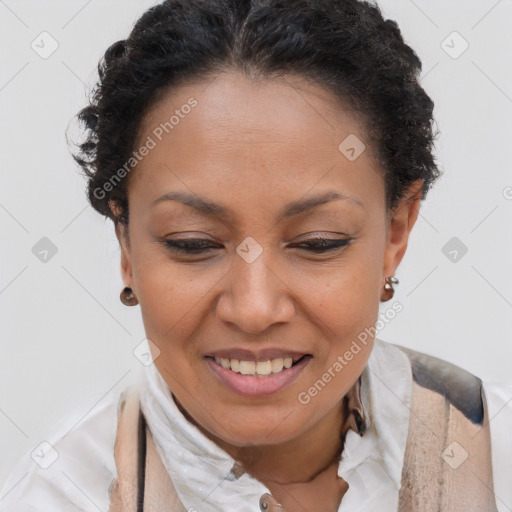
<point x="255" y="296"/>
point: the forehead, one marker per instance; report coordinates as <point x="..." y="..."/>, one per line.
<point x="238" y="140"/>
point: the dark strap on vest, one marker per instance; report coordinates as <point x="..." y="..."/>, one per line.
<point x="141" y="472"/>
<point x="142" y="483"/>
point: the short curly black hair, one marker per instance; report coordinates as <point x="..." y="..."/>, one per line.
<point x="344" y="45"/>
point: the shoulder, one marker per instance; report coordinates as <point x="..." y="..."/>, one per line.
<point x="460" y="387"/>
<point x="498" y="401"/>
<point x="485" y="405"/>
<point x="71" y="466"/>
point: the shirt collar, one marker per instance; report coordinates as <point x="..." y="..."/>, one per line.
<point x="209" y="479"/>
<point x="372" y="464"/>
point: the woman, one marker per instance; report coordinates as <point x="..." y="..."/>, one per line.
<point x="263" y="166"/>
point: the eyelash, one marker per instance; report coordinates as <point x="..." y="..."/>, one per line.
<point x="197" y="245"/>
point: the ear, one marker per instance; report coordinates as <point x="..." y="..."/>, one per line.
<point x="124" y="244"/>
<point x="126" y="261"/>
<point x="399" y="225"/>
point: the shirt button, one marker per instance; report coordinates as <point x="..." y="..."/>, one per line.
<point x="269" y="504"/>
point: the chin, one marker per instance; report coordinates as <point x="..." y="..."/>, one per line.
<point x="248" y="433"/>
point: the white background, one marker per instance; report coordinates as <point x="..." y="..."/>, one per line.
<point x="65" y="336"/>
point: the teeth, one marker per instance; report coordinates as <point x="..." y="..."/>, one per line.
<point x="264" y="368"/>
<point x="260" y="368"/>
<point x="247" y="367"/>
<point x="277" y="365"/>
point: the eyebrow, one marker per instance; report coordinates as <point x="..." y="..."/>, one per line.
<point x="211" y="209"/>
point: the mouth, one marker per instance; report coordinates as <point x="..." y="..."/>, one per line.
<point x="260" y="369"/>
<point x="257" y="378"/>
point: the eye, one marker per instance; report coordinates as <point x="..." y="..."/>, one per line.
<point x="201" y="246"/>
<point x="189" y="246"/>
<point x="320" y="245"/>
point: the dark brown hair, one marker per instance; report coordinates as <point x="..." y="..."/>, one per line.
<point x="343" y="45"/>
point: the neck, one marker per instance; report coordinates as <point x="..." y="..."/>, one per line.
<point x="298" y="460"/>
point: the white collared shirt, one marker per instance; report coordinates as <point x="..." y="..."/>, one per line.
<point x="74" y="467"/>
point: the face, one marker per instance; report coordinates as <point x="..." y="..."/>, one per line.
<point x="258" y="278"/>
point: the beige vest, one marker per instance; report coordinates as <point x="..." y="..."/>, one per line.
<point x="447" y="463"/>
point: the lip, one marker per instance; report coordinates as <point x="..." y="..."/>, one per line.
<point x="259" y="356"/>
<point x="252" y="386"/>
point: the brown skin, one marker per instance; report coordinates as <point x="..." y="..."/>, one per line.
<point x="253" y="147"/>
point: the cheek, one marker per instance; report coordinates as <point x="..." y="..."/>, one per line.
<point x="346" y="296"/>
<point x="170" y="294"/>
<point x="346" y="307"/>
<point x="350" y="321"/>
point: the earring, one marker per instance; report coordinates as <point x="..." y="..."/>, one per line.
<point x="128" y="297"/>
<point x="389" y="291"/>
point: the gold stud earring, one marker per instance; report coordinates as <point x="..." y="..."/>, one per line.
<point x="389" y="291"/>
<point x="128" y="297"/>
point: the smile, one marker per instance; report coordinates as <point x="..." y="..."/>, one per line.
<point x="251" y="378"/>
<point x="260" y="368"/>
